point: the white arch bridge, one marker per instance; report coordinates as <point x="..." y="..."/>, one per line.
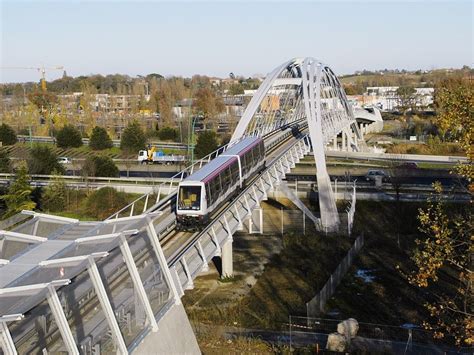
<point x="116" y="285"/>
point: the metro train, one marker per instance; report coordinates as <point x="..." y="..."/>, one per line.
<point x="203" y="192"/>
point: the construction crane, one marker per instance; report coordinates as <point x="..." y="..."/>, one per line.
<point x="41" y="70"/>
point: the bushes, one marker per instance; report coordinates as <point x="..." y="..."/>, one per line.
<point x="104" y="202"/>
<point x="54" y="195"/>
<point x="5" y="163"/>
<point x="68" y="137"/>
<point x="168" y="134"/>
<point x="7" y="135"/>
<point x="100" y="139"/>
<point x="100" y="166"/>
<point x="44" y="161"/>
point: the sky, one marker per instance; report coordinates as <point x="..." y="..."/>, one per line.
<point x="215" y="38"/>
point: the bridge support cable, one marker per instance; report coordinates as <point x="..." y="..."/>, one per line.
<point x="304" y="89"/>
<point x="283" y="187"/>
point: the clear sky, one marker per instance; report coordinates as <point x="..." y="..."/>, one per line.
<point x="216" y="38"/>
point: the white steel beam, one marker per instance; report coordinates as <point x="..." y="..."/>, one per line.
<point x="137" y="282"/>
<point x="155" y="242"/>
<point x="21" y="237"/>
<point x="61" y="320"/>
<point x="106" y="306"/>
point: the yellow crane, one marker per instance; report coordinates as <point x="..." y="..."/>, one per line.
<point x="41" y="70"/>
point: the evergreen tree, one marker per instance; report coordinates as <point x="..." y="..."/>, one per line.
<point x="7" y="135"/>
<point x="44" y="161"/>
<point x="100" y="166"/>
<point x="133" y="139"/>
<point x="100" y="139"/>
<point x="206" y="143"/>
<point x="18" y="197"/>
<point x="68" y="137"/>
<point x="54" y="195"/>
<point x="5" y="163"/>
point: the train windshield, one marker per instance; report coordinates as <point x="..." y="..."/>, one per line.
<point x="189" y="198"/>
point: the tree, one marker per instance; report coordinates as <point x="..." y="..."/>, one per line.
<point x="236" y="89"/>
<point x="100" y="166"/>
<point x="447" y="244"/>
<point x="18" y="197"/>
<point x="7" y="135"/>
<point x="454" y="100"/>
<point x="69" y="136"/>
<point x="43" y="161"/>
<point x="100" y="139"/>
<point x="168" y="134"/>
<point x="406" y="98"/>
<point x="447" y="247"/>
<point x="133" y="139"/>
<point x="54" y="195"/>
<point x="105" y="201"/>
<point x="5" y="163"/>
<point x="208" y="104"/>
<point x="206" y="143"/>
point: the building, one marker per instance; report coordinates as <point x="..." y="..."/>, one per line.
<point x="386" y="98"/>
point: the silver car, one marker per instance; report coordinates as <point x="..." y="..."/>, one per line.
<point x="372" y="175"/>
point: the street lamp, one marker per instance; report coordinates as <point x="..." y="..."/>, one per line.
<point x="192" y="123"/>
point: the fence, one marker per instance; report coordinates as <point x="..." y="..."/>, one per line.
<point x="371" y="337"/>
<point x="316" y="305"/>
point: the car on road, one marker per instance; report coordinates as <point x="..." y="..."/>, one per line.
<point x="64" y="160"/>
<point x="373" y="174"/>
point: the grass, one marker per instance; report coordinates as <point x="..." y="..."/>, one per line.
<point x="292" y="277"/>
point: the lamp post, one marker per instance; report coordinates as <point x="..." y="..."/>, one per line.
<point x="192" y="123"/>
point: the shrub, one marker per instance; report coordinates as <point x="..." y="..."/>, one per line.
<point x="5" y="163"/>
<point x="43" y="161"/>
<point x="133" y="139"/>
<point x="68" y="137"/>
<point x="54" y="195"/>
<point x="18" y="196"/>
<point x="168" y="134"/>
<point x="100" y="166"/>
<point x="104" y="202"/>
<point x="100" y="139"/>
<point x="7" y="135"/>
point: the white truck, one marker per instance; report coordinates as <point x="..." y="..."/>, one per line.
<point x="151" y="156"/>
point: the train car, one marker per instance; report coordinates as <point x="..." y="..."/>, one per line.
<point x="206" y="190"/>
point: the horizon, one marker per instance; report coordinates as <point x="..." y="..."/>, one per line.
<point x="133" y="38"/>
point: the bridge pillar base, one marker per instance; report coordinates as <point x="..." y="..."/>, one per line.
<point x="256" y="221"/>
<point x="227" y="262"/>
<point x="165" y="340"/>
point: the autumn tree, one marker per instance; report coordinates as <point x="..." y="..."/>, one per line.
<point x="208" y="103"/>
<point x="406" y="98"/>
<point x="454" y="102"/>
<point x="447" y="242"/>
<point x="18" y="196"/>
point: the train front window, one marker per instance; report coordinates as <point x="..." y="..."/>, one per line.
<point x="189" y="198"/>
